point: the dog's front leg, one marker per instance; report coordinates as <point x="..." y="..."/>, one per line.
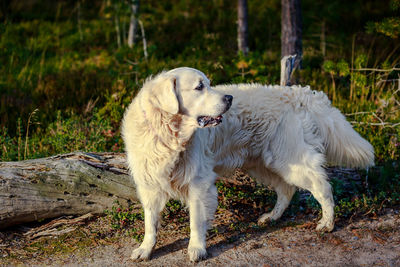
<point x="202" y="204"/>
<point x="153" y="202"/>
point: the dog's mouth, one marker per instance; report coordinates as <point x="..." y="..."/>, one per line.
<point x="208" y="121"/>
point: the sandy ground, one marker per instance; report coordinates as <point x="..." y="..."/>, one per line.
<point x="366" y="242"/>
<point x="369" y="239"/>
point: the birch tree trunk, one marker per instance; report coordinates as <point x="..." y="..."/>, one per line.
<point x="143" y="39"/>
<point x="69" y="184"/>
<point x="242" y="27"/>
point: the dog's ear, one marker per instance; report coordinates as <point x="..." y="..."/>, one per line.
<point x="167" y="97"/>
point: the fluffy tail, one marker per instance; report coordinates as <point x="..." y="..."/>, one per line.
<point x="344" y="146"/>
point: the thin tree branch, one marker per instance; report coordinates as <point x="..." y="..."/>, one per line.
<point x="383" y="124"/>
<point x="377" y="70"/>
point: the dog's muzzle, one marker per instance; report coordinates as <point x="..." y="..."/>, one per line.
<point x="208" y="121"/>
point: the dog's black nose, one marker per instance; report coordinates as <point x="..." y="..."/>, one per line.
<point x="228" y="99"/>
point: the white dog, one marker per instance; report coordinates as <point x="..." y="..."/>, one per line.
<point x="282" y="136"/>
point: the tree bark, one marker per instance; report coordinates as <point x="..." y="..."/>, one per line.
<point x="69" y="184"/>
<point x="242" y="27"/>
<point x="291" y="35"/>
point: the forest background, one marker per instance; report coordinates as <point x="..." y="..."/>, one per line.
<point x="67" y="72"/>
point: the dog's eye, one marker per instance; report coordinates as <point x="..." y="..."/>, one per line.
<point x="200" y="86"/>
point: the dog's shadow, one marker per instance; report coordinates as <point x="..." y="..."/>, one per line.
<point x="170" y="248"/>
<point x="215" y="249"/>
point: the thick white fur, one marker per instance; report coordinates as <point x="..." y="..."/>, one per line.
<point x="282" y="136"/>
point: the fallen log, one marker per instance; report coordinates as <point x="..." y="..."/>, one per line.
<point x="68" y="184"/>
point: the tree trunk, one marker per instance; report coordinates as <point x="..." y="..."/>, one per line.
<point x="79" y="20"/>
<point x="69" y="184"/>
<point x="133" y="22"/>
<point x="242" y="27"/>
<point x="144" y="39"/>
<point x="116" y="21"/>
<point x="323" y="39"/>
<point x="291" y="39"/>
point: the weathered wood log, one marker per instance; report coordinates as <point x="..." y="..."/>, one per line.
<point x="69" y="184"/>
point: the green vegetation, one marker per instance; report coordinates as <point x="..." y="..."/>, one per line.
<point x="65" y="82"/>
<point x="125" y="218"/>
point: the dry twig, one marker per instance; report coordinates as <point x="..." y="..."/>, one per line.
<point x="49" y="229"/>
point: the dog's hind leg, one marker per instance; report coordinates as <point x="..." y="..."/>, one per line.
<point x="295" y="152"/>
<point x="284" y="193"/>
<point x="202" y="202"/>
<point x="308" y="174"/>
<point x="153" y="202"/>
<point x="283" y="190"/>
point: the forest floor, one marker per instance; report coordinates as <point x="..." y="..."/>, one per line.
<point x="235" y="240"/>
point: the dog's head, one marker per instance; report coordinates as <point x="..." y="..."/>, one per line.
<point x="187" y="91"/>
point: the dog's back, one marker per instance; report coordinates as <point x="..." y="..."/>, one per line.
<point x="265" y="117"/>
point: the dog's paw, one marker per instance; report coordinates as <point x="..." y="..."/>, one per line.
<point x="197" y="254"/>
<point x="325" y="226"/>
<point x="141" y="254"/>
<point x="265" y="218"/>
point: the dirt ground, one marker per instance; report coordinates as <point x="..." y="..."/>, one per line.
<point x="365" y="242"/>
<point x="370" y="239"/>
